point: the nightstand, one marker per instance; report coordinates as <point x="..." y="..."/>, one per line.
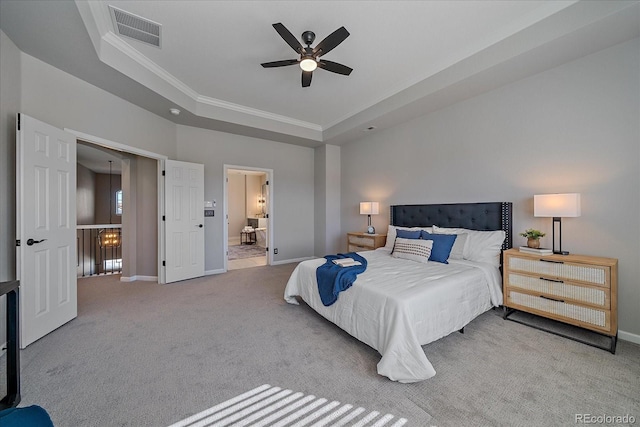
<point x="579" y="290"/>
<point x="358" y="242"/>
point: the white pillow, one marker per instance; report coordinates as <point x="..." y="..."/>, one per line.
<point x="481" y="246"/>
<point x="412" y="249"/>
<point x="391" y="234"/>
<point x="457" y="251"/>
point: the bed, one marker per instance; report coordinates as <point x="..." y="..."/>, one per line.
<point x="398" y="305"/>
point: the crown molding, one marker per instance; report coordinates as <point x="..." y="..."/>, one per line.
<point x="120" y="55"/>
<point x="255" y="112"/>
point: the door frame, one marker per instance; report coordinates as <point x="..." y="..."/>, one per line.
<point x="225" y="219"/>
<point x="144" y="153"/>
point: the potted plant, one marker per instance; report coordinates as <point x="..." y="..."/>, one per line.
<point x="533" y="237"/>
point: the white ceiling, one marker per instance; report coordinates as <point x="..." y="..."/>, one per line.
<point x="97" y="158"/>
<point x="409" y="57"/>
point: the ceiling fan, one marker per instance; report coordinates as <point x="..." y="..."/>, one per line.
<point x="310" y="58"/>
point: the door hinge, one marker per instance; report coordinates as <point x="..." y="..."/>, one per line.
<point x="267" y="183"/>
<point x="266" y="249"/>
<point x="163" y="173"/>
<point x="19" y="127"/>
<point x="266" y="215"/>
<point x="163" y="218"/>
<point x="18" y="242"/>
<point x="164" y="263"/>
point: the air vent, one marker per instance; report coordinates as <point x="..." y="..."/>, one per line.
<point x="135" y="27"/>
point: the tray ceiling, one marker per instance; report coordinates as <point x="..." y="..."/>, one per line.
<point x="409" y="57"/>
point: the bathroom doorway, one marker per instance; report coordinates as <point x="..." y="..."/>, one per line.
<point x="248" y="225"/>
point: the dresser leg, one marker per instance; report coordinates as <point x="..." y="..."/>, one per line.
<point x="614" y="341"/>
<point x="506" y="311"/>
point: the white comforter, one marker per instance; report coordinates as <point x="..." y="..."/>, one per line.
<point x="397" y="305"/>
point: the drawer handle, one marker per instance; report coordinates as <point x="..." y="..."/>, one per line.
<point x="551" y="280"/>
<point x="552" y="299"/>
<point x="551" y="261"/>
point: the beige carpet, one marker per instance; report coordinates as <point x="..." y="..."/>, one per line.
<point x="143" y="354"/>
<point x="272" y="406"/>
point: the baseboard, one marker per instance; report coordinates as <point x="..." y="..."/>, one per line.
<point x="140" y="278"/>
<point x="212" y="272"/>
<point x="628" y="336"/>
<point x="289" y="261"/>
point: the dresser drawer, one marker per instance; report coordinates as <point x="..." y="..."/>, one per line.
<point x="570" y="313"/>
<point x="361" y="241"/>
<point x="592" y="295"/>
<point x="597" y="275"/>
<point x="358" y="242"/>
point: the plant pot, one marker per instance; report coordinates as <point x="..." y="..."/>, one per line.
<point x="533" y="243"/>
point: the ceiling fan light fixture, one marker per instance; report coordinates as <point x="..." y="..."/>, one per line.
<point x="308" y="64"/>
<point x="308" y="61"/>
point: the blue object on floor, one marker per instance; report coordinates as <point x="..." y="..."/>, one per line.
<point x="29" y="416"/>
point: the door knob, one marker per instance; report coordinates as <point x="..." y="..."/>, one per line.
<point x="200" y="225"/>
<point x="31" y="242"/>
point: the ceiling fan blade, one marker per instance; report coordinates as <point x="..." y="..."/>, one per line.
<point x="334" y="67"/>
<point x="289" y="38"/>
<point x="282" y="63"/>
<point x="331" y="41"/>
<point x="306" y="78"/>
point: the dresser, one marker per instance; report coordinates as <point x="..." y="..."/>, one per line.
<point x="358" y="242"/>
<point x="579" y="290"/>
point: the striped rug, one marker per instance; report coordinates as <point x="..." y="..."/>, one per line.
<point x="274" y="407"/>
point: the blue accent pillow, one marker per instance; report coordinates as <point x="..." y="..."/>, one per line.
<point x="408" y="234"/>
<point x="442" y="244"/>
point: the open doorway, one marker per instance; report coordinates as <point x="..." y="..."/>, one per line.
<point x="248" y="227"/>
<point x="117" y="211"/>
<point x="98" y="210"/>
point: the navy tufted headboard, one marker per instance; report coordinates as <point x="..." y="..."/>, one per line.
<point x="474" y="216"/>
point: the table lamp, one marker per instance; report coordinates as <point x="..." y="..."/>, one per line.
<point x="369" y="208"/>
<point x="557" y="206"/>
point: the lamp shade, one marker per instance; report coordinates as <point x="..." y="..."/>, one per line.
<point x="369" y="208"/>
<point x="556" y="205"/>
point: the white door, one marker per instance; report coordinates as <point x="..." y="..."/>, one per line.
<point x="46" y="227"/>
<point x="184" y="220"/>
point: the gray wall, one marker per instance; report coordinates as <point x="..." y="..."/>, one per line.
<point x="140" y="217"/>
<point x="64" y="101"/>
<point x="146" y="217"/>
<point x="328" y="235"/>
<point x="574" y="128"/>
<point x="292" y="187"/>
<point x="237" y="210"/>
<point x="9" y="106"/>
<point x="105" y="198"/>
<point x="85" y="196"/>
<point x="253" y="188"/>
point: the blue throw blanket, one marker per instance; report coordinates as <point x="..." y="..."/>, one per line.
<point x="333" y="279"/>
